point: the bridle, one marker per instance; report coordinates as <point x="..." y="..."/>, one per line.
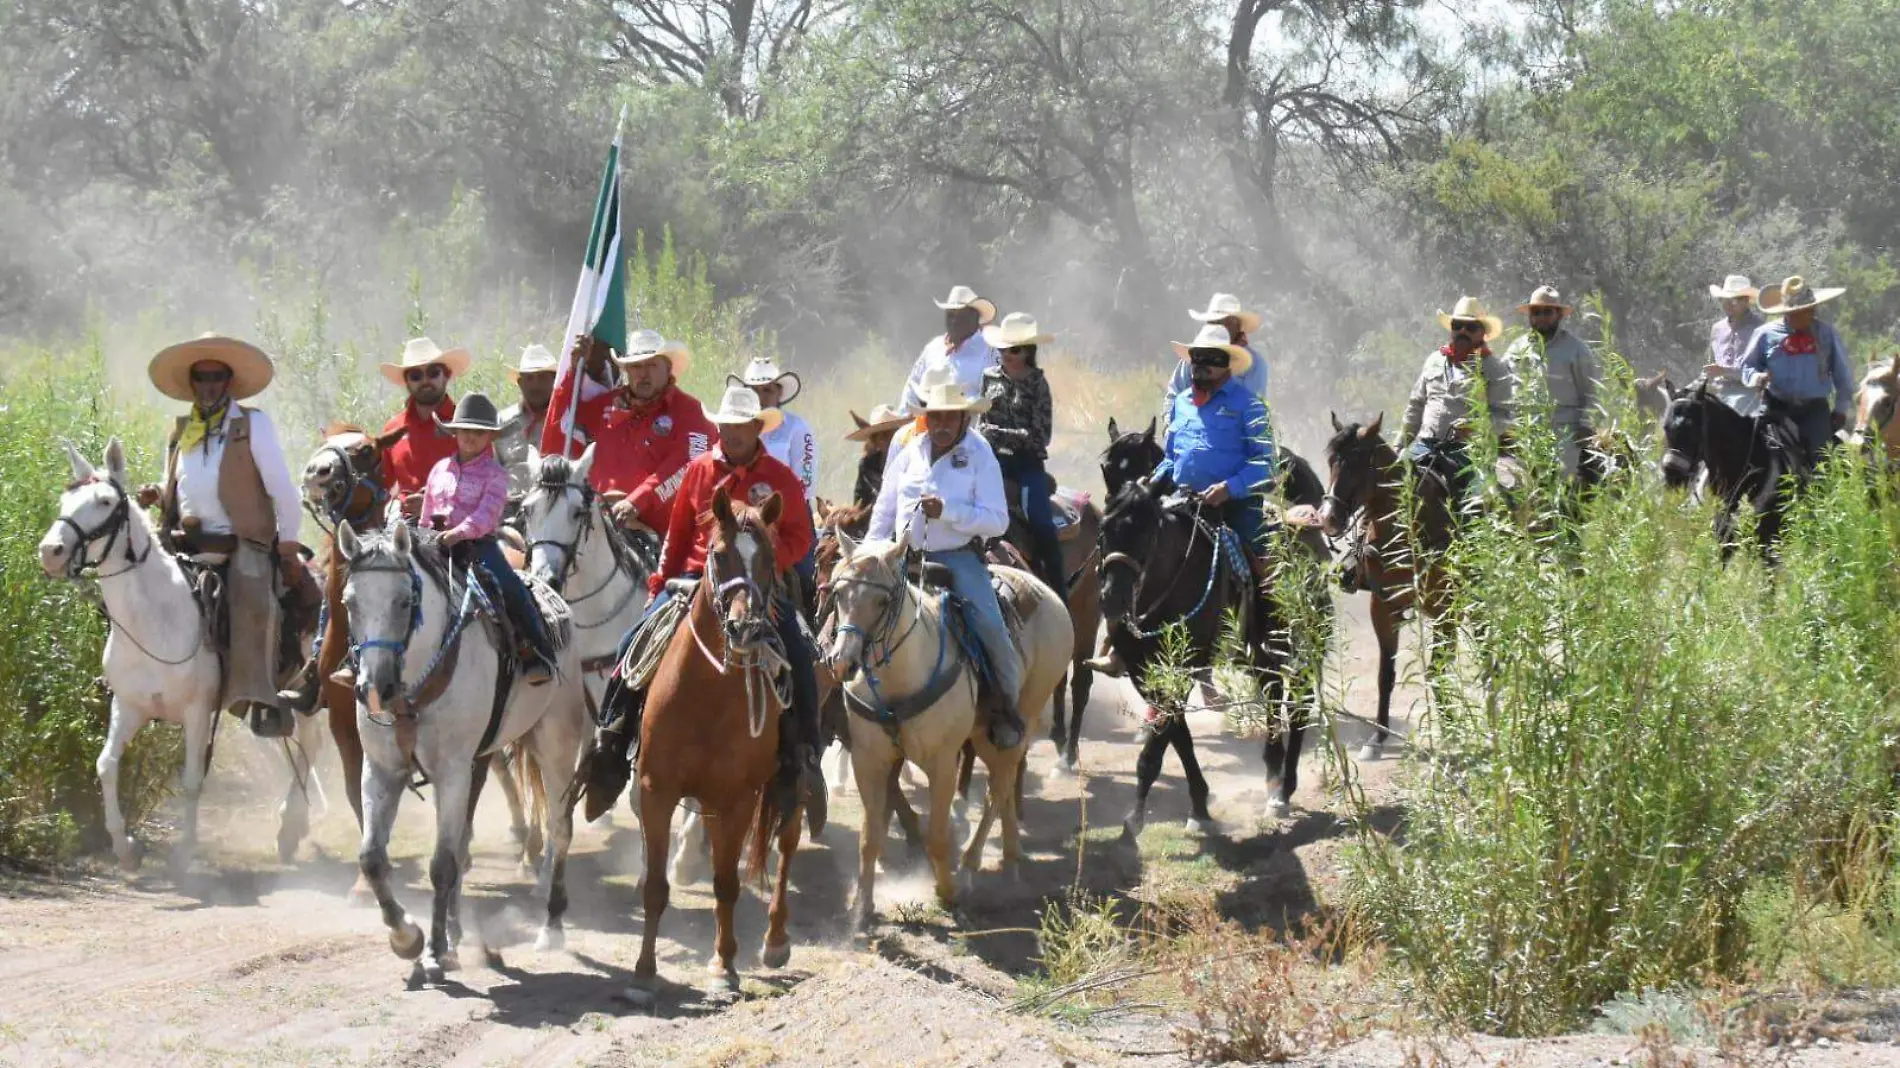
<point x="337" y="505"/>
<point x="1138" y="621"/>
<point x="588" y="515"/>
<point x="878" y="635"/>
<point x="399" y="647"/>
<point x="750" y="644"/>
<point x="115" y="525"/>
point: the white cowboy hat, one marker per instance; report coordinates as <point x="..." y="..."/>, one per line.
<point x="941" y="392"/>
<point x="648" y="344"/>
<point x="1222" y="305"/>
<point x="741" y="405"/>
<point x="1215" y="336"/>
<point x="535" y="359"/>
<point x="421" y="352"/>
<point x="473" y="412"/>
<point x="1734" y="287"/>
<point x="1017" y="328"/>
<point x="251" y="369"/>
<point x="1545" y="297"/>
<point x="1470" y="308"/>
<point x="1792" y="294"/>
<point x="763" y="371"/>
<point x="883" y="417"/>
<point x="965" y="297"/>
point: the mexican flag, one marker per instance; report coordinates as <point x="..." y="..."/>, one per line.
<point x="600" y="309"/>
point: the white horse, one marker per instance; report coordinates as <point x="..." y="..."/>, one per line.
<point x="414" y="710"/>
<point x="158" y="663"/>
<point x="891" y="632"/>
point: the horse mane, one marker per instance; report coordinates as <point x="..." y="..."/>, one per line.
<point x="339" y="427"/>
<point x="556" y="470"/>
<point x="425" y="548"/>
<point x="1298" y="482"/>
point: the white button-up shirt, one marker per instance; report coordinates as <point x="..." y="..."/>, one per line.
<point x="967" y="479"/>
<point x="198" y="479"/>
<point x="969" y="361"/>
<point x="793" y="444"/>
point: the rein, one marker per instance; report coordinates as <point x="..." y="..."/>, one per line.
<point x="749" y="643"/>
<point x="1134" y="622"/>
<point x="626" y="560"/>
<point x="117" y="523"/>
<point x="409" y="700"/>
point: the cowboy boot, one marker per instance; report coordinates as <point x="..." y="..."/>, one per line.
<point x="817" y="802"/>
<point x="301" y="696"/>
<point x="607" y="769"/>
<point x="270" y="721"/>
<point x="1006" y="724"/>
<point x="536" y="667"/>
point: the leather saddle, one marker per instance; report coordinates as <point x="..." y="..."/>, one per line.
<point x="1065" y="505"/>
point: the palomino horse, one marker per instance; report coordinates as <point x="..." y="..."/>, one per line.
<point x="710" y="731"/>
<point x="907" y="672"/>
<point x="158" y="664"/>
<point x="343" y="486"/>
<point x="428" y="672"/>
<point x="1874" y="405"/>
<point x="1745" y="458"/>
<point x="1363" y="500"/>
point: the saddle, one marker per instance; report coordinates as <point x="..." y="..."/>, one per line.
<point x="1065" y="505"/>
<point x="935" y="578"/>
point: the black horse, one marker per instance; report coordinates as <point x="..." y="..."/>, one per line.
<point x="1747" y="458"/>
<point x="1161" y="565"/>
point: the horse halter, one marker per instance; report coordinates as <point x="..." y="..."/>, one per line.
<point x="116" y="523"/>
<point x="758" y="608"/>
<point x="399" y="647"/>
<point x="339" y="510"/>
<point x="569" y="550"/>
<point x="882" y="627"/>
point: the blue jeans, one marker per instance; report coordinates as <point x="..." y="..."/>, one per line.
<point x="1244" y="516"/>
<point x="1029" y="473"/>
<point x="1448" y="457"/>
<point x="1813" y="418"/>
<point x="514" y="593"/>
<point x="970" y="578"/>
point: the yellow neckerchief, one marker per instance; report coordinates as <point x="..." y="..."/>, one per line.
<point x="199" y="427"/>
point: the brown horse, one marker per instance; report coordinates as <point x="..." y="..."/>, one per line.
<point x="1363" y="499"/>
<point x="1874" y="405"/>
<point x="710" y="732"/>
<point x="1083" y="595"/>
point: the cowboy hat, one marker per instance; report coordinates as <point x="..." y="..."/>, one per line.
<point x="251" y="369"/>
<point x="1470" y="308"/>
<point x="1733" y="287"/>
<point x="473" y="412"/>
<point x="1545" y="297"/>
<point x="535" y="360"/>
<point x="883" y="417"/>
<point x="648" y="344"/>
<point x="421" y="352"/>
<point x="965" y="297"/>
<point x="941" y="392"/>
<point x="1018" y="328"/>
<point x="1215" y="336"/>
<point x="741" y="405"/>
<point x="1793" y="294"/>
<point x="1223" y="305"/>
<point x="763" y="371"/>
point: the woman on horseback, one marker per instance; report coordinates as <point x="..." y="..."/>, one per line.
<point x="1018" y="427"/>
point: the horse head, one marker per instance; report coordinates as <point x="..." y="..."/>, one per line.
<point x="1129" y="456"/>
<point x="1685" y="426"/>
<point x="866" y="587"/>
<point x="95" y="515"/>
<point x="557" y="514"/>
<point x="1131" y="534"/>
<point x="1874" y="406"/>
<point x="383" y="596"/>
<point x="343" y="479"/>
<point x="740" y="563"/>
<point x="1358" y="460"/>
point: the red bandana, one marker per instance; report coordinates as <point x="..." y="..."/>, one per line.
<point x="1451" y="354"/>
<point x="1798" y="345"/>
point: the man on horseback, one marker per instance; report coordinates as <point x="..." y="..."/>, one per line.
<point x="1018" y="426"/>
<point x="521" y="424"/>
<point x="1567" y="366"/>
<point x="1438" y="414"/>
<point x="229" y="504"/>
<point x="425" y="371"/>
<point x="646" y="437"/>
<point x="1224" y="310"/>
<point x="960" y="349"/>
<point x="943" y="494"/>
<point x="791" y="443"/>
<point x="876" y="434"/>
<point x="1798" y="361"/>
<point x="1728" y="342"/>
<point x="1219" y="443"/>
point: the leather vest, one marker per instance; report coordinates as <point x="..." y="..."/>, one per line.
<point x="240" y="485"/>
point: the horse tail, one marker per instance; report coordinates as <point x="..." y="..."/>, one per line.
<point x="527" y="773"/>
<point x="765" y="825"/>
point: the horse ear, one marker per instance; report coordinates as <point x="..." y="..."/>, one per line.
<point x="346" y="540"/>
<point x="1373" y="428"/>
<point x="1114" y="432"/>
<point x="847" y="545"/>
<point x="773" y="507"/>
<point x="722" y="508"/>
<point x="399" y="539"/>
<point x="82" y="467"/>
<point x="1153" y="422"/>
<point x="384" y="442"/>
<point x="1337" y="425"/>
<point x="534" y="459"/>
<point x="583" y="467"/>
<point x="115" y="461"/>
<point x="1894" y="368"/>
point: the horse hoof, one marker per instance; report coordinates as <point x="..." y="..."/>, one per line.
<point x="406" y="941"/>
<point x="777" y="956"/>
<point x="434" y="975"/>
<point x="1369" y="752"/>
<point x="1198" y="826"/>
<point x="1276" y="809"/>
<point x="638" y="996"/>
<point x="551" y="940"/>
<point x="288" y="839"/>
<point x="129" y="857"/>
<point x="449" y="962"/>
<point x="966" y="880"/>
<point x="724" y="988"/>
<point x="1131" y="829"/>
<point x="1070" y="764"/>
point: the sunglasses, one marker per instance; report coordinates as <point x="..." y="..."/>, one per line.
<point x="1467" y="327"/>
<point x="208" y="377"/>
<point x="417" y="374"/>
<point x="1543" y="313"/>
<point x="1208" y="358"/>
<point x="1024" y="349"/>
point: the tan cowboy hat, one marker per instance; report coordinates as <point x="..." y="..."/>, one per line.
<point x="1470" y="308"/>
<point x="535" y="360"/>
<point x="251" y="369"/>
<point x="1793" y="294"/>
<point x="648" y="344"/>
<point x="1545" y="297"/>
<point x="1018" y="328"/>
<point x="1734" y="287"/>
<point x="473" y="412"/>
<point x="965" y="297"/>
<point x="1215" y="336"/>
<point x="741" y="405"/>
<point x="763" y="371"/>
<point x="883" y="417"/>
<point x="941" y="392"/>
<point x="1224" y="305"/>
<point x="421" y="352"/>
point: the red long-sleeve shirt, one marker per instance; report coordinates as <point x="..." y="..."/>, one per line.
<point x="690" y="532"/>
<point x="643" y="451"/>
<point x="407" y="464"/>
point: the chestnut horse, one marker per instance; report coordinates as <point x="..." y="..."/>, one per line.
<point x="710" y="732"/>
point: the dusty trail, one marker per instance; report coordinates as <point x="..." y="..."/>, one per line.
<point x="246" y="961"/>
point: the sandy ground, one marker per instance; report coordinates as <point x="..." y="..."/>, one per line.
<point x="244" y="961"/>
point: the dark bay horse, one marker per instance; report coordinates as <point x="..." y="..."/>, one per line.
<point x="1745" y="457"/>
<point x="1083" y="596"/>
<point x="710" y="732"/>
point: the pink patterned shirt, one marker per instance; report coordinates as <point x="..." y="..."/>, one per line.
<point x="469" y="496"/>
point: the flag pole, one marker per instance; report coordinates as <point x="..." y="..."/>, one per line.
<point x="594" y="250"/>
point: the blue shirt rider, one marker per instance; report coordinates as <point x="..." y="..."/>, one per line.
<point x="1799" y="362"/>
<point x="1224" y="309"/>
<point x="1220" y="439"/>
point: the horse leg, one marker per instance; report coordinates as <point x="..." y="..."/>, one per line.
<point x="198" y="724"/>
<point x="1059" y="723"/>
<point x="1154" y="746"/>
<point x="876" y="776"/>
<point x="556" y="755"/>
<point x="349" y="751"/>
<point x="300" y="754"/>
<point x="381" y="797"/>
<point x="778" y="944"/>
<point x="125" y="724"/>
<point x="900" y="807"/>
<point x="727" y="829"/>
<point x="966" y="768"/>
<point x="1282" y="751"/>
<point x="656" y="828"/>
<point x="1385" y="627"/>
<point x="690" y="855"/>
<point x="943" y="785"/>
<point x="1081" y="680"/>
<point x="502" y="764"/>
<point x="1182" y="739"/>
<point x="455" y="791"/>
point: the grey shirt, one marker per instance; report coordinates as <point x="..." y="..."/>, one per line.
<point x="520" y="431"/>
<point x="1440" y="405"/>
<point x="1569" y="371"/>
